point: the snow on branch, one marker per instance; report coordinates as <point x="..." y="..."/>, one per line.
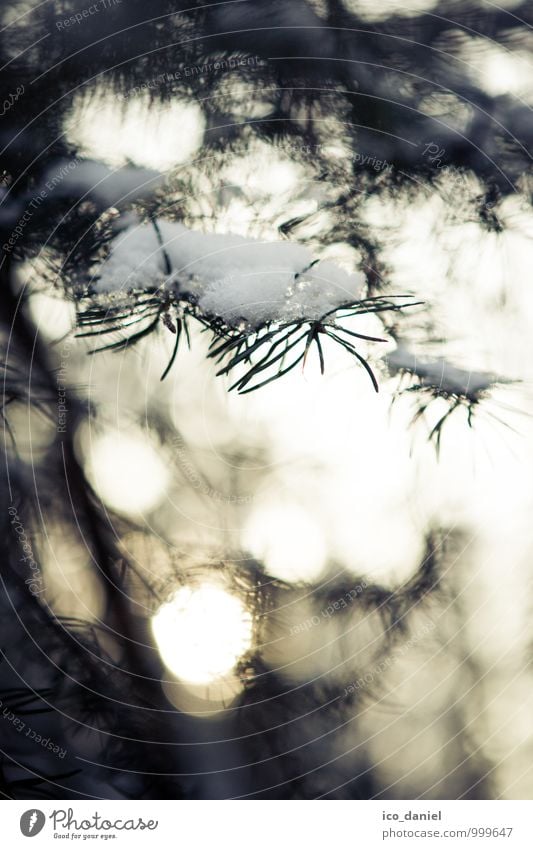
<point x="229" y="276"/>
<point x="266" y="303"/>
<point x="438" y="378"/>
<point x="443" y="377"/>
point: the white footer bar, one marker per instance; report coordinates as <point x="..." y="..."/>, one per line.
<point x="268" y="824"/>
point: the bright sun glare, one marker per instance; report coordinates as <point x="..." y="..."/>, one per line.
<point x="202" y="632"/>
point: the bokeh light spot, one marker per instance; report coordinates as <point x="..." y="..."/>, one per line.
<point x="289" y="543"/>
<point x="202" y="632"/>
<point x="127" y="472"/>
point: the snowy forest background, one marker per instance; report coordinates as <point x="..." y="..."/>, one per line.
<point x="231" y="568"/>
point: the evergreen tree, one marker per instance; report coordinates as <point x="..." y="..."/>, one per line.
<point x="244" y="282"/>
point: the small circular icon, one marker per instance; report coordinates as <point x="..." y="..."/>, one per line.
<point x="32" y="822"/>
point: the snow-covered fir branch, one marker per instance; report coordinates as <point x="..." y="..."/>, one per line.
<point x="433" y="379"/>
<point x="442" y="377"/>
<point x="255" y="296"/>
<point x="229" y="276"/>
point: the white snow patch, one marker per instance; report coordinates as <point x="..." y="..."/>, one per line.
<point x="442" y="375"/>
<point x="230" y="276"/>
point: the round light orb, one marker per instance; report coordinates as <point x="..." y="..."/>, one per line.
<point x="202" y="632"/>
<point x="127" y="472"/>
